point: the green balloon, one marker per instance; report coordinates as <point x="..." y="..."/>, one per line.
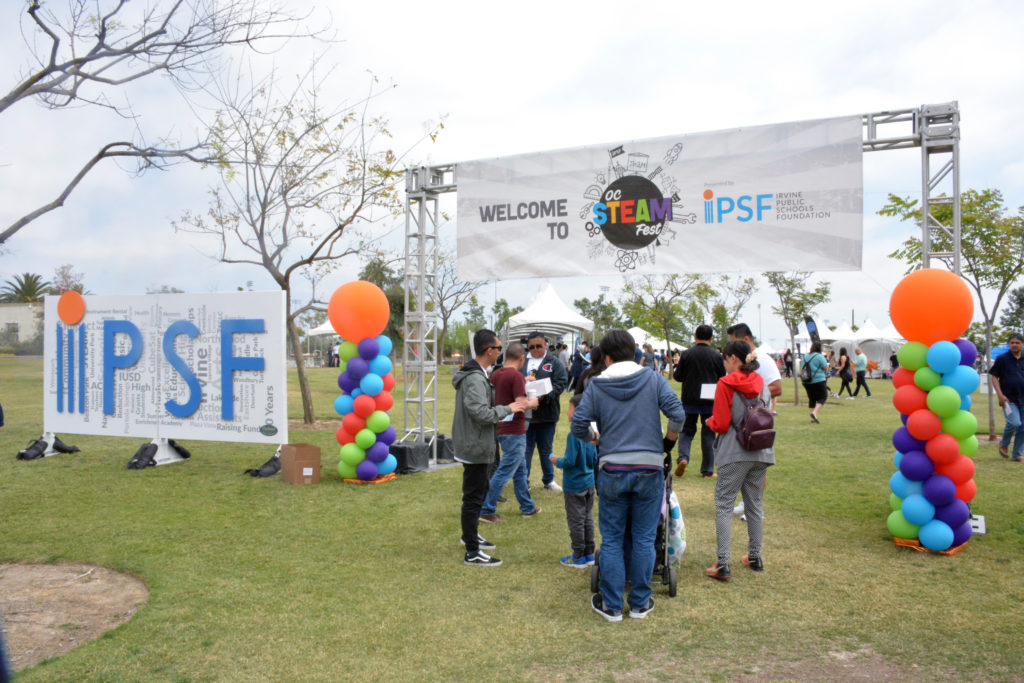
<point x="895" y="502"/>
<point x="378" y="421"/>
<point x="913" y="355"/>
<point x="943" y="401"/>
<point x="346" y="471"/>
<point x="352" y="454"/>
<point x="927" y="379"/>
<point x="342" y="364"/>
<point x="899" y="526"/>
<point x="365" y="438"/>
<point x="960" y="425"/>
<point x="969" y="446"/>
<point x="348" y="350"/>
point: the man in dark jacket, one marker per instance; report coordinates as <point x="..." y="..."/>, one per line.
<point x="542" y="421"/>
<point x="474" y="437"/>
<point x="698" y="366"/>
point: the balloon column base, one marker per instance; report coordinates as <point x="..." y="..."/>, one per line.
<point x="916" y="545"/>
<point x="379" y="480"/>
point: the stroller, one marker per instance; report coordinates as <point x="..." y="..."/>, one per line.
<point x="666" y="553"/>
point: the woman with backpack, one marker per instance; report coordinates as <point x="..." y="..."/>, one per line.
<point x="814" y="378"/>
<point x="739" y="469"/>
<point x="845" y="371"/>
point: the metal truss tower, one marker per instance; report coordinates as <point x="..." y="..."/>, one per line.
<point x="420" y="355"/>
<point x="935" y="128"/>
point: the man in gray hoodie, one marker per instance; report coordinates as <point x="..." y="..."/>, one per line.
<point x="475" y="439"/>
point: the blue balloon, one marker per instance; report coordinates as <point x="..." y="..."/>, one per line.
<point x="381" y="365"/>
<point x="897" y="456"/>
<point x="935" y="535"/>
<point x="943" y="356"/>
<point x="384" y="342"/>
<point x="343" y="405"/>
<point x="962" y="378"/>
<point x="388" y="466"/>
<point x="371" y="384"/>
<point x="917" y="510"/>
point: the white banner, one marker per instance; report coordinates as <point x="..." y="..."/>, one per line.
<point x="178" y="366"/>
<point x="766" y="198"/>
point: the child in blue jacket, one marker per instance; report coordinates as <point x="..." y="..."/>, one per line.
<point x="577" y="467"/>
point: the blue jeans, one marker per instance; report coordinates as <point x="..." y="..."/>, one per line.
<point x="541" y="434"/>
<point x="634" y="499"/>
<point x="1014" y="426"/>
<point x="512" y="466"/>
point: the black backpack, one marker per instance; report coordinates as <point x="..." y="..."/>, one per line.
<point x="756" y="430"/>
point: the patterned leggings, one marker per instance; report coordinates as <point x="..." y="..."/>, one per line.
<point x="733" y="478"/>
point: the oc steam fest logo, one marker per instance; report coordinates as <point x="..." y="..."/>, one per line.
<point x="632" y="204"/>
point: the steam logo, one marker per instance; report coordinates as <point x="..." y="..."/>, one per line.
<point x="70" y="310"/>
<point x="633" y="212"/>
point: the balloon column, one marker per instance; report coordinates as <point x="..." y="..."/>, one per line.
<point x="931" y="308"/>
<point x="359" y="312"/>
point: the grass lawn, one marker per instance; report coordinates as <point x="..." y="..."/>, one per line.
<point x="255" y="579"/>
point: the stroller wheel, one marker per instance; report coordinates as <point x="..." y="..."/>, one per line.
<point x="672" y="582"/>
<point x="595" y="573"/>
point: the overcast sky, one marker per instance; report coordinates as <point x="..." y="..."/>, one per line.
<point x="531" y="76"/>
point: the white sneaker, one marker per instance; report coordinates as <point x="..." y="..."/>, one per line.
<point x="738" y="510"/>
<point x="849" y="398"/>
<point x="553" y="486"/>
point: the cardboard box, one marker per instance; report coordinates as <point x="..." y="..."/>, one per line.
<point x="300" y="463"/>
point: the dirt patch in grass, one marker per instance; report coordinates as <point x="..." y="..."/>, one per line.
<point x="50" y="609"/>
<point x="319" y="425"/>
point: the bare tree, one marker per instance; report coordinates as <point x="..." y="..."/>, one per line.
<point x="296" y="182"/>
<point x="796" y="300"/>
<point x="452" y="293"/>
<point x="87" y="51"/>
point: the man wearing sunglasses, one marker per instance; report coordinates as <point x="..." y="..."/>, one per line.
<point x="474" y="438"/>
<point x="543" y="420"/>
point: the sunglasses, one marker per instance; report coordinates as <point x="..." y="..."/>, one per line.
<point x="495" y="347"/>
<point x="536" y="346"/>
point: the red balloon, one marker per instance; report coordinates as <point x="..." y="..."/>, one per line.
<point x="931" y="305"/>
<point x="353" y="424"/>
<point x="924" y="424"/>
<point x="902" y="377"/>
<point x="961" y="469"/>
<point x="364" y="405"/>
<point x="358" y="310"/>
<point x="966" y="491"/>
<point x="384" y="401"/>
<point x="909" y="398"/>
<point x="943" y="449"/>
<point x="389" y="381"/>
<point x="343" y="436"/>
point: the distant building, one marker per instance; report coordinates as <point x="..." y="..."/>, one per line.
<point x="19" y="322"/>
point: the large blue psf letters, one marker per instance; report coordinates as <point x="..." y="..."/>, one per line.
<point x="229" y="362"/>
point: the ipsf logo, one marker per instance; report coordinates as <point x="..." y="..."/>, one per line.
<point x="71" y="347"/>
<point x="744" y="207"/>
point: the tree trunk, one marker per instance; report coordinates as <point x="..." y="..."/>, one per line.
<point x="796" y="375"/>
<point x="991" y="394"/>
<point x="300" y="367"/>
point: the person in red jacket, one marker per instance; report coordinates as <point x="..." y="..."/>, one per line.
<point x="738" y="468"/>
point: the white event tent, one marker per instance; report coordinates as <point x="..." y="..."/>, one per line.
<point x="547" y="313"/>
<point x="642" y="336"/>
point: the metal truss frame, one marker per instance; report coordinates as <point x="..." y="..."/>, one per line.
<point x="935" y="128"/>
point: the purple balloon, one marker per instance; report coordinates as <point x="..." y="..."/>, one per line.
<point x="346" y="383"/>
<point x="954" y="514"/>
<point x="968" y="352"/>
<point x="903" y="418"/>
<point x="368" y="349"/>
<point x="904" y="442"/>
<point x="388" y="436"/>
<point x="357" y="368"/>
<point x="366" y="470"/>
<point x="378" y="452"/>
<point x="939" y="490"/>
<point x="916" y="466"/>
<point x="961" y="534"/>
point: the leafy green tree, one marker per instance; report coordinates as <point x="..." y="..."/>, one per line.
<point x="476" y="317"/>
<point x="721" y="300"/>
<point x="1013" y="315"/>
<point x="991" y="252"/>
<point x="797" y="298"/>
<point x="380" y="271"/>
<point x="24" y="288"/>
<point x="603" y="313"/>
<point x="503" y="312"/>
<point x="661" y="303"/>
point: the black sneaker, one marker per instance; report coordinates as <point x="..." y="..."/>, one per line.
<point x="643" y="611"/>
<point x="481" y="559"/>
<point x="597" y="603"/>
<point x="481" y="542"/>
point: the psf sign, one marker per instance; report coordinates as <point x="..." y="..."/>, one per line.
<point x="178" y="366"/>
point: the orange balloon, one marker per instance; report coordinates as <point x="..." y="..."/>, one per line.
<point x="71" y="307"/>
<point x="931" y="305"/>
<point x="358" y="310"/>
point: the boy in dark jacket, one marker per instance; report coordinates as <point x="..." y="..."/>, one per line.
<point x="578" y="488"/>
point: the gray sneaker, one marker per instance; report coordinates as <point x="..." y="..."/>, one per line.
<point x="597" y="603"/>
<point x="643" y="611"/>
<point x="553" y="486"/>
